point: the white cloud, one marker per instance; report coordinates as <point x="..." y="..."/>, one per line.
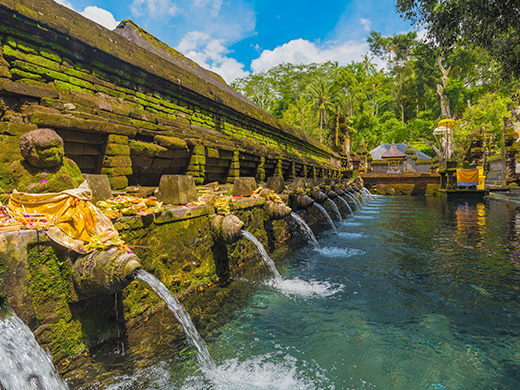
<point x="100" y="16"/>
<point x="367" y="24"/>
<point x="301" y="51"/>
<point x="211" y="54"/>
<point x="154" y="8"/>
<point x="64" y="3"/>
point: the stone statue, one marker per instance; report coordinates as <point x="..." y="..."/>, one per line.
<point x="44" y="168"/>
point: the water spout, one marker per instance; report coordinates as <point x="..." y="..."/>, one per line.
<point x="23" y="364"/>
<point x="360" y="198"/>
<point x="277" y="210"/>
<point x="354" y="199"/>
<point x="203" y="356"/>
<point x="336" y="210"/>
<point x="227" y="227"/>
<point x="366" y="192"/>
<point x="326" y="215"/>
<point x="104" y="271"/>
<point x="264" y="254"/>
<point x="306" y="230"/>
<point x="346" y="204"/>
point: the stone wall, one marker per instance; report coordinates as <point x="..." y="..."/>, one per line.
<point x="418" y="166"/>
<point x="177" y="246"/>
<point x="402" y="184"/>
<point x="131" y="113"/>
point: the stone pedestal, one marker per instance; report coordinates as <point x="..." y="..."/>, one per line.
<point x="177" y="189"/>
<point x="99" y="186"/>
<point x="276" y="183"/>
<point x="244" y="186"/>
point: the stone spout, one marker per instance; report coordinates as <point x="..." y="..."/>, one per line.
<point x="318" y="196"/>
<point x="227" y="228"/>
<point x="301" y="202"/>
<point x="332" y="194"/>
<point x="277" y="210"/>
<point x="104" y="271"/>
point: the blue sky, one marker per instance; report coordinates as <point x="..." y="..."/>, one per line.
<point x="238" y="37"/>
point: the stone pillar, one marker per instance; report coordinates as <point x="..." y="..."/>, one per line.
<point x="234" y="168"/>
<point x="292" y="173"/>
<point x="278" y="171"/>
<point x="260" y="171"/>
<point x="314" y="173"/>
<point x="117" y="164"/>
<point x="304" y="170"/>
<point x="197" y="165"/>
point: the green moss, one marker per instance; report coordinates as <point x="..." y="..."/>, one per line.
<point x="49" y="276"/>
<point x="117" y="150"/>
<point x="69" y="336"/>
<point x="71" y="87"/>
<point x="117" y="139"/>
<point x="32" y="58"/>
<point x="145" y="149"/>
<point x="21" y="74"/>
<point x="31" y="179"/>
<point x="35" y="69"/>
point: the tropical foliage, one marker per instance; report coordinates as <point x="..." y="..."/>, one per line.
<point x="420" y="83"/>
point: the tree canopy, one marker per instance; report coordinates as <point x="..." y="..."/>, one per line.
<point x="491" y="25"/>
<point x="421" y="83"/>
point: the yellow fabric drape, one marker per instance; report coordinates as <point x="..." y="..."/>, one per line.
<point x="71" y="219"/>
<point x="467" y="177"/>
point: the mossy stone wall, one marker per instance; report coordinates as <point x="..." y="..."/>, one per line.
<point x="60" y="70"/>
<point x="177" y="247"/>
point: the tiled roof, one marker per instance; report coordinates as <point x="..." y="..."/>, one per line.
<point x="378" y="152"/>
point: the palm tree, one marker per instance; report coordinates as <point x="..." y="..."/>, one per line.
<point x="368" y="66"/>
<point x="322" y="94"/>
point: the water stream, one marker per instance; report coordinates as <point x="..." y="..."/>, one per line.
<point x="361" y="199"/>
<point x="366" y="192"/>
<point x="335" y="208"/>
<point x="428" y="300"/>
<point x="329" y="219"/>
<point x="23" y="364"/>
<point x="305" y="229"/>
<point x="346" y="204"/>
<point x="354" y="199"/>
<point x="263" y="253"/>
<point x="203" y="356"/>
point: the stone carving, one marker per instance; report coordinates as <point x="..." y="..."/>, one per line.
<point x="44" y="168"/>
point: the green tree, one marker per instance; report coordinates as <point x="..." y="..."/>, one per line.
<point x="492" y="25"/>
<point x="485" y="117"/>
<point x="322" y="94"/>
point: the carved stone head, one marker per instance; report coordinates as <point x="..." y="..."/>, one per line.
<point x="42" y="148"/>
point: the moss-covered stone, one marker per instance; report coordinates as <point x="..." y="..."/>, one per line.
<point x="145" y="149"/>
<point x="49" y="278"/>
<point x="170" y="142"/>
<point x="42" y="180"/>
<point x="117" y="150"/>
<point x="118" y="182"/>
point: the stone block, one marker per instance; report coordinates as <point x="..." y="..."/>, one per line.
<point x="118" y="182"/>
<point x="244" y="186"/>
<point x="99" y="186"/>
<point x="276" y="183"/>
<point x="177" y="189"/>
<point x="298" y="182"/>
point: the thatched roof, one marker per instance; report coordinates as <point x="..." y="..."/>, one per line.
<point x="393" y="152"/>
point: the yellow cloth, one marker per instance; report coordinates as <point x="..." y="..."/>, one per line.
<point x="467" y="177"/>
<point x="69" y="212"/>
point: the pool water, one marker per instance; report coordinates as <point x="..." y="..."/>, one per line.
<point x="410" y="293"/>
